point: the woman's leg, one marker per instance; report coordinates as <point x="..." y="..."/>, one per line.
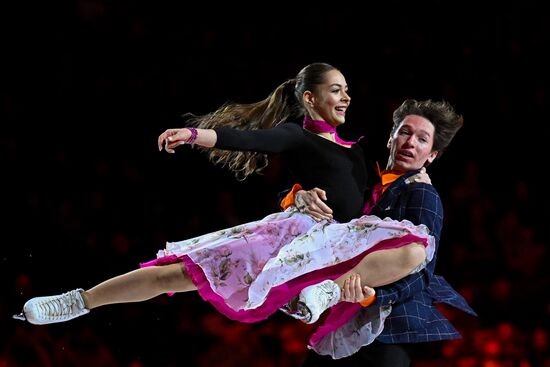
<point x="375" y="269"/>
<point x="139" y="285"/>
<point x="135" y="286"/>
<point x="383" y="267"/>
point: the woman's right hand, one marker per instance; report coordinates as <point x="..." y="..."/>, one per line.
<point x="173" y="138"/>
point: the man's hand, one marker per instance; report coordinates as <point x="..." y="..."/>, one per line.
<point x="311" y="202"/>
<point x="353" y="292"/>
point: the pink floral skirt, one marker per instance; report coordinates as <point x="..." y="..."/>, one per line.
<point x="249" y="271"/>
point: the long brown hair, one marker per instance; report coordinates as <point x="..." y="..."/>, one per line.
<point x="284" y="102"/>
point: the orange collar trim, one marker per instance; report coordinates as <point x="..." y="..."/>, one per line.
<point x="386" y="178"/>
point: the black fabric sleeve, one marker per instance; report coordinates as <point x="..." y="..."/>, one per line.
<point x="284" y="137"/>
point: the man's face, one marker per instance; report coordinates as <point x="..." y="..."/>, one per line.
<point x="411" y="144"/>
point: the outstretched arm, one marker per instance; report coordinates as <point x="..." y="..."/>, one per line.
<point x="173" y="138"/>
<point x="284" y="137"/>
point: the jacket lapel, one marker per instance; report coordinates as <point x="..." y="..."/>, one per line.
<point x="391" y="192"/>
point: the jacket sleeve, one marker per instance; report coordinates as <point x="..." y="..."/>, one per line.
<point x="421" y="206"/>
<point x="402" y="289"/>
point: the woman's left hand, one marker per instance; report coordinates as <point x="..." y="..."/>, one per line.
<point x="420" y="177"/>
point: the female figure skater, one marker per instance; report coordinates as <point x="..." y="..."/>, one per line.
<point x="250" y="271"/>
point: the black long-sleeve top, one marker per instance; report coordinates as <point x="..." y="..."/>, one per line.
<point x="312" y="160"/>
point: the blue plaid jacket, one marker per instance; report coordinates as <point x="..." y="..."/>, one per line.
<point x="414" y="318"/>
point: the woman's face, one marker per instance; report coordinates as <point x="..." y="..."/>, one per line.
<point x="330" y="100"/>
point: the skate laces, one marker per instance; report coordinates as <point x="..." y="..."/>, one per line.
<point x="66" y="304"/>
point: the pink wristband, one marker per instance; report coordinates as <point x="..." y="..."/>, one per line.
<point x="193" y="137"/>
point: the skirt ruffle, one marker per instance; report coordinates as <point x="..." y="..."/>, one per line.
<point x="249" y="271"/>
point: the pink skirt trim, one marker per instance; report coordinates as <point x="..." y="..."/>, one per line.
<point x="281" y="294"/>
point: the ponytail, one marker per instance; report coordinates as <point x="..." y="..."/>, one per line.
<point x="272" y="111"/>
